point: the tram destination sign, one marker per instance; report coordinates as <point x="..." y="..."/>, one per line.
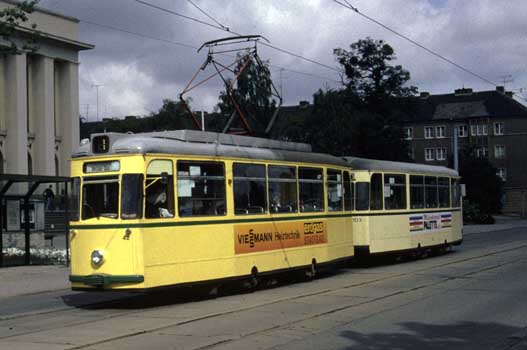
<point x="250" y="238"/>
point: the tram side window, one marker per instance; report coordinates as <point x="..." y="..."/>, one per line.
<point x="73" y="204"/>
<point x="456" y="193"/>
<point x="249" y="189"/>
<point x="201" y="188"/>
<point x="376" y="192"/>
<point x="159" y="189"/>
<point x="362" y="201"/>
<point x="282" y="189"/>
<point x="311" y="184"/>
<point x="132" y="196"/>
<point x="431" y="192"/>
<point x="348" y="192"/>
<point x="417" y="192"/>
<point x="100" y="197"/>
<point x="394" y="191"/>
<point x="443" y="192"/>
<point x="334" y="190"/>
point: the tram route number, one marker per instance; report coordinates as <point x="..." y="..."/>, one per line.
<point x="249" y="238"/>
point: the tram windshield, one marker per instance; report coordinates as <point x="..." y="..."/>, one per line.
<point x="100" y="197"/>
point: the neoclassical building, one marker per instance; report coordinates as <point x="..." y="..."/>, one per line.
<point x="39" y="98"/>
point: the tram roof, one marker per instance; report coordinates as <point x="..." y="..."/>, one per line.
<point x="384" y="165"/>
<point x="204" y="143"/>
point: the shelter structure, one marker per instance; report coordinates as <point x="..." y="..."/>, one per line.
<point x="16" y="193"/>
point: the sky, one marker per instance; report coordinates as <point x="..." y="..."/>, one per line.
<point x="137" y="73"/>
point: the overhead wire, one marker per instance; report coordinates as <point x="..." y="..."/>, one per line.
<point x="220" y="27"/>
<point x="180" y="15"/>
<point x="347" y="5"/>
<point x="141" y="35"/>
<point x="138" y="34"/>
<point x="209" y="16"/>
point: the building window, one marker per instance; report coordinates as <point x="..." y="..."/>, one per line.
<point x="502" y="173"/>
<point x="499" y="151"/>
<point x="441" y="153"/>
<point x="440" y="132"/>
<point x="408" y="133"/>
<point x="479" y="129"/>
<point x="474" y="130"/>
<point x="482" y="152"/>
<point x="429" y="154"/>
<point x="462" y="130"/>
<point x="429" y="132"/>
<point x="411" y="153"/>
<point x="499" y="128"/>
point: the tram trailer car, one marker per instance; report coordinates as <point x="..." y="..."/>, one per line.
<point x="179" y="207"/>
<point x="402" y="207"/>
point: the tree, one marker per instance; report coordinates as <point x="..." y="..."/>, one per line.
<point x="368" y="73"/>
<point x="253" y="92"/>
<point x="484" y="187"/>
<point x="10" y="20"/>
<point x="364" y="117"/>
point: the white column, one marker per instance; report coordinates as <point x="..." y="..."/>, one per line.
<point x="42" y="105"/>
<point x="68" y="106"/>
<point x="2" y="93"/>
<point x="16" y="114"/>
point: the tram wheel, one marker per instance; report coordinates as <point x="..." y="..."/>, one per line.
<point x="254" y="282"/>
<point x="311" y="271"/>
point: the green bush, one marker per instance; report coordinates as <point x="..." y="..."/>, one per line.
<point x="472" y="214"/>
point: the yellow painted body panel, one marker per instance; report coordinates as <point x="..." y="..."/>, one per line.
<point x="180" y="250"/>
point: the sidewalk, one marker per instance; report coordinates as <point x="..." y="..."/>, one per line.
<point x="23" y="280"/>
<point x="502" y="223"/>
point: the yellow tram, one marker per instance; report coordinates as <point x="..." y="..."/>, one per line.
<point x="171" y="208"/>
<point x="404" y="206"/>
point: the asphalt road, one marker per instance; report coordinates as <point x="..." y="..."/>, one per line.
<point x="472" y="298"/>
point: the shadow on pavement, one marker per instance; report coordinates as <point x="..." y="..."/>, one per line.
<point x="387" y="259"/>
<point x="462" y="336"/>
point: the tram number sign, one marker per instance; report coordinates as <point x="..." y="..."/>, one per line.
<point x="250" y="238"/>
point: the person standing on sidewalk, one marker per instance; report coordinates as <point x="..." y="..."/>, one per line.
<point x="49" y="196"/>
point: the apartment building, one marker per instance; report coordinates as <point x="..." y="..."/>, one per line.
<point x="491" y="123"/>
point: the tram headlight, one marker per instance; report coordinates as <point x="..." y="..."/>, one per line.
<point x="97" y="257"/>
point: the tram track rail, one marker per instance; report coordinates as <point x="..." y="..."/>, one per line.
<point x="497" y="251"/>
